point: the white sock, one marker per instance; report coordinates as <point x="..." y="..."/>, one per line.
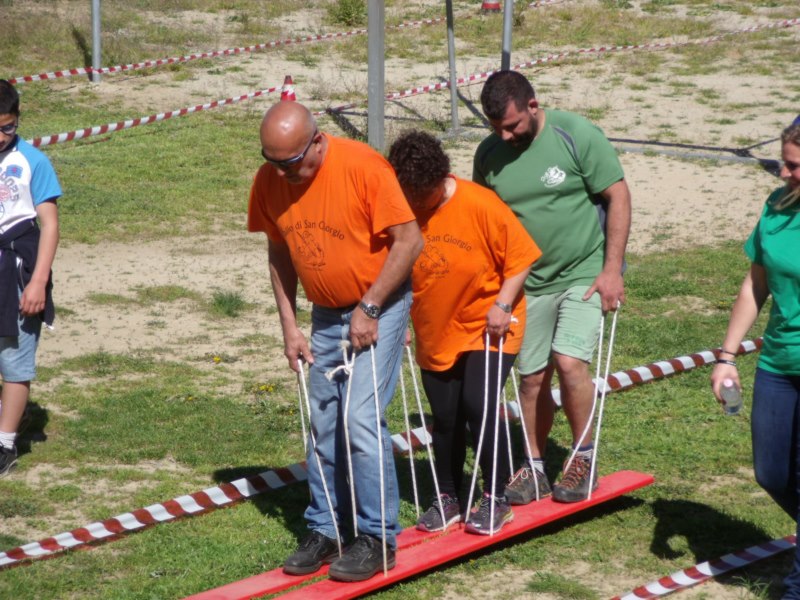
<point x="7" y="439"/>
<point x="538" y="464"/>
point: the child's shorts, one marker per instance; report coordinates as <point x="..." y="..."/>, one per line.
<point x="18" y="353"/>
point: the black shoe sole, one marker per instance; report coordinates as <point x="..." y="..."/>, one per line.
<point x="570" y="497"/>
<point x="470" y="528"/>
<point x="308" y="569"/>
<point x="352" y="577"/>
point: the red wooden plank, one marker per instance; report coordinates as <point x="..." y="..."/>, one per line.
<point x="457" y="544"/>
<point x="272" y="582"/>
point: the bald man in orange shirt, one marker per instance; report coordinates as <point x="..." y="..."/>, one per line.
<point x="336" y="221"/>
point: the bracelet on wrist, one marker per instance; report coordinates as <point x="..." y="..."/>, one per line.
<point x="723" y="361"/>
<point x="723" y="351"/>
<point x="506" y="308"/>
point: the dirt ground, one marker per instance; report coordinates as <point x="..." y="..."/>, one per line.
<point x="677" y="203"/>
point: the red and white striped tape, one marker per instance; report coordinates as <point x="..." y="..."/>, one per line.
<point x="544" y="3"/>
<point x="226" y="494"/>
<point x="477" y="77"/>
<point x="119" y="126"/>
<point x="706" y="570"/>
<point x="99" y="130"/>
<point x="212" y="54"/>
<point x="622" y="380"/>
<point x="229" y="493"/>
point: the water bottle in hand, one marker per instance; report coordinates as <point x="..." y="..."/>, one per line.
<point x="731" y="397"/>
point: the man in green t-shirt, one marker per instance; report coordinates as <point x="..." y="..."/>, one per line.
<point x="562" y="178"/>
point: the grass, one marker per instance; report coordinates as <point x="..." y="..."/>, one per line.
<point x="114" y="432"/>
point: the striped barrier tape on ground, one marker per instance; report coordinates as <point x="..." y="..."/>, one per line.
<point x="709" y="569"/>
<point x="229" y="493"/>
<point x="665" y="368"/>
<point x="232" y="51"/>
<point x="474" y="78"/>
<point x="211" y="54"/>
<point x="477" y="77"/>
<point x="226" y="494"/>
<point x="120" y="125"/>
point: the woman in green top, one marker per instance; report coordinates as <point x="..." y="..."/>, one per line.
<point x="774" y="248"/>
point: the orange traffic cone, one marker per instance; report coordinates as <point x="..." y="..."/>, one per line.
<point x="490" y="6"/>
<point x="287" y="91"/>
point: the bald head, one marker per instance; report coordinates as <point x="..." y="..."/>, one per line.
<point x="286" y="126"/>
<point x="289" y="133"/>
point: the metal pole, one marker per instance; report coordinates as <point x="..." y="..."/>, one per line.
<point x="508" y="15"/>
<point x="96" y="50"/>
<point x="451" y="52"/>
<point x="375" y="74"/>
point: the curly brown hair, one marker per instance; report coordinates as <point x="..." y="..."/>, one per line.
<point x="420" y="163"/>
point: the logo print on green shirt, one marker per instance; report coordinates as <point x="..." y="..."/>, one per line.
<point x="553" y="176"/>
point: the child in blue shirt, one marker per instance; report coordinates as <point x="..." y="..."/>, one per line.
<point x="29" y="235"/>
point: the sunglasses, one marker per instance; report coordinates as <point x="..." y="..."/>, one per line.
<point x="290" y="162"/>
<point x="10" y="128"/>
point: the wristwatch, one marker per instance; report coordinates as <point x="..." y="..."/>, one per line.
<point x="373" y="311"/>
<point x="506" y="308"/>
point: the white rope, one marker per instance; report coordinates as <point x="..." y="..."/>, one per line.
<point x="304" y="393"/>
<point x="300" y="388"/>
<point x="602" y="398"/>
<point x="496" y="429"/>
<point x="528" y="452"/>
<point x="508" y="431"/>
<point x="590" y="420"/>
<point x="425" y="430"/>
<point x="380" y="456"/>
<point x="597" y="391"/>
<point x="408" y="441"/>
<point x="483" y="426"/>
<point x="347" y="368"/>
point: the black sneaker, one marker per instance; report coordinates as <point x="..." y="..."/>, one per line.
<point x="431" y="520"/>
<point x="361" y="560"/>
<point x="8" y="460"/>
<point x="314" y="551"/>
<point x="574" y="484"/>
<point x="527" y="485"/>
<point x="480" y="520"/>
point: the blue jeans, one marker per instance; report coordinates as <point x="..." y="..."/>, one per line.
<point x="776" y="449"/>
<point x="327" y="398"/>
<point x="18" y="352"/>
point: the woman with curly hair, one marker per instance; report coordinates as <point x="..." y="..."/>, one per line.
<point x="773" y="248"/>
<point x="467" y="282"/>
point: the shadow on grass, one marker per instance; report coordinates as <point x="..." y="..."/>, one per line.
<point x="284" y="504"/>
<point x="34" y="430"/>
<point x="710" y="534"/>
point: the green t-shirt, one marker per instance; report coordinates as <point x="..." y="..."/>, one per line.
<point x="775" y="245"/>
<point x="552" y="186"/>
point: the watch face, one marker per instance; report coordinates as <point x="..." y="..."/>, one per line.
<point x="373" y="311"/>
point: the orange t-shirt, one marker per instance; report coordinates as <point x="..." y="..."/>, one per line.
<point x="335" y="225"/>
<point x="472" y="244"/>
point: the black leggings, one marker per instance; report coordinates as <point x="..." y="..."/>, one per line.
<point x="456" y="399"/>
